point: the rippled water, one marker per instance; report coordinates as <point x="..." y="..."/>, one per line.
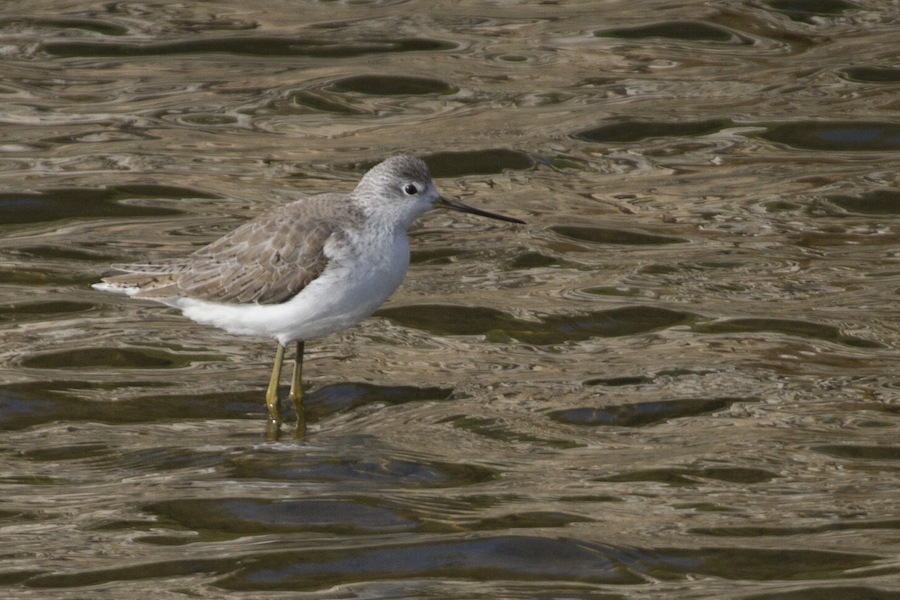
<point x="678" y="380"/>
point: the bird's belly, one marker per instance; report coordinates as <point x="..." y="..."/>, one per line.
<point x="344" y="294"/>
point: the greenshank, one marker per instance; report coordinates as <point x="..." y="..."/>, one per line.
<point x="302" y="271"/>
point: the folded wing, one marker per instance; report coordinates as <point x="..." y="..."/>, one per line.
<point x="265" y="261"/>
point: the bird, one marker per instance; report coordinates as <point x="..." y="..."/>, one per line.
<point x="301" y="271"/>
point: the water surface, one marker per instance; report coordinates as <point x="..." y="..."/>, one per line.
<point x="678" y="380"/>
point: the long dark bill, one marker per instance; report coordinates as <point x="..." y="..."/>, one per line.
<point x="457" y="205"/>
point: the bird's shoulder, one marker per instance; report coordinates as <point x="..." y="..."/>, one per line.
<point x="299" y="224"/>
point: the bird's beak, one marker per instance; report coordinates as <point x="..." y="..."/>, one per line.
<point x="457" y="205"/>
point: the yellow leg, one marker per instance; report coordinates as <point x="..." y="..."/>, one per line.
<point x="272" y="391"/>
<point x="296" y="393"/>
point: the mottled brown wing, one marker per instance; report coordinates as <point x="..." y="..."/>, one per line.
<point x="266" y="261"/>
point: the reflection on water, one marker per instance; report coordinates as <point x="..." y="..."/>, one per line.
<point x="679" y="380"/>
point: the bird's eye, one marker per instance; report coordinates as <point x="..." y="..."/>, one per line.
<point x="410" y="189"/>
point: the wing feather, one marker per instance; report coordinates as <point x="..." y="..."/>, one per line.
<point x="266" y="261"/>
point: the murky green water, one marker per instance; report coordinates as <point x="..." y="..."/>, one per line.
<point x="680" y="379"/>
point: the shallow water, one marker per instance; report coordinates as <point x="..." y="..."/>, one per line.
<point x="678" y="380"/>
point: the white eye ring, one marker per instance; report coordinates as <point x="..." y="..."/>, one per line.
<point x="410" y="189"/>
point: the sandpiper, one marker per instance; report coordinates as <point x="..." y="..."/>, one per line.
<point x="302" y="271"/>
